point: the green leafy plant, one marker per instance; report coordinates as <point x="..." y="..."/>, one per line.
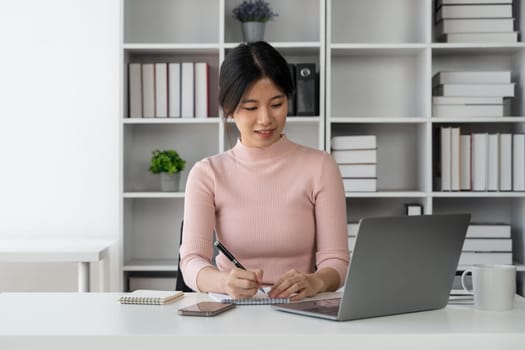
<point x="253" y="11"/>
<point x="166" y="161"/>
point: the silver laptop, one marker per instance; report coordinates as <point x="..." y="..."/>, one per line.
<point x="398" y="265"/>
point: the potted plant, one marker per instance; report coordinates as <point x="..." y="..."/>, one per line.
<point x="253" y="16"/>
<point x="168" y="164"/>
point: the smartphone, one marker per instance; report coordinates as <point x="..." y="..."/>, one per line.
<point x="205" y="308"/>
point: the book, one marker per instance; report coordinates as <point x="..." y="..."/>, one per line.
<point x="473" y="258"/>
<point x="446" y="158"/>
<point x="518" y="162"/>
<point x="174" y="85"/>
<point x="358" y="170"/>
<point x="454" y="159"/>
<point x="135" y="90"/>
<point x="462" y="2"/>
<point x="360" y="156"/>
<point x="148" y="90"/>
<point x="201" y="90"/>
<point x="476" y="25"/>
<point x="493" y="162"/>
<point x="488" y="230"/>
<point x="353" y="142"/>
<point x="412" y="209"/>
<point x="487" y="245"/>
<point x="455" y="111"/>
<point x="465" y="165"/>
<point x="187" y="94"/>
<point x="151" y="297"/>
<point x="505" y="162"/>
<point x="306" y="102"/>
<point x="479" y="161"/>
<point x="161" y="90"/>
<point x="472" y="77"/>
<point x="360" y="185"/>
<point x="474" y="11"/>
<point x="258" y="299"/>
<point x="467" y="100"/>
<point x="501" y="37"/>
<point x="291" y="99"/>
<point x="503" y="90"/>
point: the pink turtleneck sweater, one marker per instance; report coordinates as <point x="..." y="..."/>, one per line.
<point x="274" y="208"/>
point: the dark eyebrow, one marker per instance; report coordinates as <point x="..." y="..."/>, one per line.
<point x="273" y="98"/>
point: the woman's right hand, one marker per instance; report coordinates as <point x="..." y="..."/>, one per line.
<point x="243" y="283"/>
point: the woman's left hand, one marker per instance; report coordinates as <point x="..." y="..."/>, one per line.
<point x="296" y="286"/>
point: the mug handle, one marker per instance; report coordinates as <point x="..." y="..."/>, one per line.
<point x="463" y="275"/>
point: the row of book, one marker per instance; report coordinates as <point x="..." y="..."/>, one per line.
<point x="481" y="161"/>
<point x="356" y="156"/>
<point x="475" y="21"/>
<point x="168" y="90"/>
<point x="484" y="243"/>
<point x="471" y="93"/>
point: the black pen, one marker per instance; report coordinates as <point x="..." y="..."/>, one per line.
<point x="232" y="258"/>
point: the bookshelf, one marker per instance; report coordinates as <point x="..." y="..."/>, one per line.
<point x="375" y="61"/>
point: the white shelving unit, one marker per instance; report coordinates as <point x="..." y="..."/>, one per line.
<point x="195" y="30"/>
<point x="375" y="61"/>
<point x="381" y="56"/>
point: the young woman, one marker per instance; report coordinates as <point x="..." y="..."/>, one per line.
<point x="279" y="207"/>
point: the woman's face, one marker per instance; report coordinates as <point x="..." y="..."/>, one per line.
<point x="261" y="114"/>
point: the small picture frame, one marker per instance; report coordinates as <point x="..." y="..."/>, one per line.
<point x="413" y="209"/>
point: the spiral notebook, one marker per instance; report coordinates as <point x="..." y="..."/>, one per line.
<point x="259" y="299"/>
<point x="151" y="297"/>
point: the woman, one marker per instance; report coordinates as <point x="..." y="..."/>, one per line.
<point x="279" y="207"/>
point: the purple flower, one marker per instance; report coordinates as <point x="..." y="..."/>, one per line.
<point x="254" y="11"/>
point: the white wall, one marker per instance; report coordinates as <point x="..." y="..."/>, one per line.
<point x="59" y="131"/>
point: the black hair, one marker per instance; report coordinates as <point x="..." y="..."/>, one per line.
<point x="246" y="64"/>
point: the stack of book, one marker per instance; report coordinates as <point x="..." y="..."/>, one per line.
<point x="487" y="244"/>
<point x="357" y="160"/>
<point x="168" y="90"/>
<point x="481" y="161"/>
<point x="475" y="21"/>
<point x="471" y="93"/>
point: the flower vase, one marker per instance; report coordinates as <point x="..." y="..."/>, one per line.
<point x="169" y="182"/>
<point x="253" y="31"/>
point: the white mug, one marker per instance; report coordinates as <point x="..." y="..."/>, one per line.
<point x="494" y="286"/>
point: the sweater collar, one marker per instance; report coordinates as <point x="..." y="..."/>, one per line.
<point x="276" y="149"/>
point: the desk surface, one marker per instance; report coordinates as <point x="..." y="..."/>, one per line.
<point x="62" y="320"/>
<point x="53" y="249"/>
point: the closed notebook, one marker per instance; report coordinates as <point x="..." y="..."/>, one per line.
<point x="259" y="299"/>
<point x="151" y="297"/>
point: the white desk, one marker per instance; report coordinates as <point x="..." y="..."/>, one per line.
<point x="56" y="249"/>
<point x="98" y="321"/>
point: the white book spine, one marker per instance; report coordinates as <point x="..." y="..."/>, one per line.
<point x="368" y="156"/>
<point x="358" y="170"/>
<point x="174" y="83"/>
<point x="505" y="162"/>
<point x="465" y="163"/>
<point x="187" y="90"/>
<point x="476" y="25"/>
<point x="467" y="101"/>
<point x="518" y="162"/>
<point x="148" y="90"/>
<point x="493" y="163"/>
<point x="446" y="158"/>
<point x="487" y="245"/>
<point x="488" y="231"/>
<point x="503" y="90"/>
<point x="135" y="90"/>
<point x="454" y="159"/>
<point x="508" y="37"/>
<point x="472" y="258"/>
<point x="201" y="90"/>
<point x="360" y="185"/>
<point x="479" y="161"/>
<point x="161" y="90"/>
<point x="456" y="111"/>
<point x="474" y="11"/>
<point x="353" y="142"/>
<point x="472" y="77"/>
<point x="474" y="2"/>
